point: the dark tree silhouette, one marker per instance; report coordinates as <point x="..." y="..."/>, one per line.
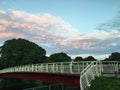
<point x="115" y="56"/>
<point x="19" y="52"/>
<point x="89" y="58"/>
<point x="59" y="57"/>
<point x="78" y="59"/>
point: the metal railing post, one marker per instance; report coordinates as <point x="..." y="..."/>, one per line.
<point x="61" y="67"/>
<point x="87" y="80"/>
<point x="71" y="67"/>
<point x="92" y="74"/>
<point x="53" y="65"/>
<point x="46" y="67"/>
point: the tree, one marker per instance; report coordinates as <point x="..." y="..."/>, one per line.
<point x="106" y="59"/>
<point x="115" y="56"/>
<point x="78" y="59"/>
<point x="90" y="58"/>
<point x="59" y="57"/>
<point x="20" y="52"/>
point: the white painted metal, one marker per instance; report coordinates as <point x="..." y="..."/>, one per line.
<point x="89" y="73"/>
<point x="58" y="67"/>
<point x="88" y="70"/>
<point x="96" y="69"/>
<point x="84" y="83"/>
<point x="110" y="68"/>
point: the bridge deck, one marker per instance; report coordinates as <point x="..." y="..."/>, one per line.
<point x="77" y="74"/>
<point x="68" y="79"/>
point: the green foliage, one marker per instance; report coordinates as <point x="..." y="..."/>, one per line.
<point x="59" y="57"/>
<point x="89" y="58"/>
<point x="78" y="59"/>
<point x="115" y="56"/>
<point x="19" y="52"/>
<point x="105" y="83"/>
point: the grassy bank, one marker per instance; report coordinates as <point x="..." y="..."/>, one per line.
<point x="105" y="83"/>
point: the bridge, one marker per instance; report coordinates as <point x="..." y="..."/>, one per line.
<point x="76" y="74"/>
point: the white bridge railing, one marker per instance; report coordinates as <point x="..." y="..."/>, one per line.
<point x="111" y="67"/>
<point x="58" y="67"/>
<point x="88" y="70"/>
<point x="96" y="69"/>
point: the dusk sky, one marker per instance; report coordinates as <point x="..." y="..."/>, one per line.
<point x="76" y="27"/>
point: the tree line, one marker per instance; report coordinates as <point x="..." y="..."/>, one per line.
<point x="17" y="52"/>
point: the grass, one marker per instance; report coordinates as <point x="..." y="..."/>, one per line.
<point x="105" y="83"/>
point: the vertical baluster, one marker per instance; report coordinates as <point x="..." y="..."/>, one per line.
<point x="46" y="67"/>
<point x="71" y="67"/>
<point x="41" y="67"/>
<point x="53" y="67"/>
<point x="92" y="74"/>
<point x="86" y="77"/>
<point x="61" y="67"/>
<point x="96" y="67"/>
<point x="78" y="67"/>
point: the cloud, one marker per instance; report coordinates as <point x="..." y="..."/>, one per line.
<point x="6" y="35"/>
<point x="4" y="24"/>
<point x="55" y="34"/>
<point x="113" y="24"/>
<point x="17" y="14"/>
<point x="46" y="27"/>
<point x="2" y="12"/>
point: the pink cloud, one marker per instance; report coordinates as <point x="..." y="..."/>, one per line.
<point x="83" y="46"/>
<point x="76" y="46"/>
<point x="6" y="35"/>
<point x="20" y="25"/>
<point x="25" y="26"/>
<point x="46" y="19"/>
<point x="19" y="35"/>
<point x="76" y="37"/>
<point x="4" y="22"/>
<point x="87" y="46"/>
<point x="47" y="29"/>
<point x="17" y="14"/>
<point x="2" y="28"/>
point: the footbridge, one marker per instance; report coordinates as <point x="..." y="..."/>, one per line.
<point x="76" y="74"/>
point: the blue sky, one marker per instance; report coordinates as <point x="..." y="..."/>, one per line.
<point x="77" y="27"/>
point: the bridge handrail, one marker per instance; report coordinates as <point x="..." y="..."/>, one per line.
<point x="62" y="67"/>
<point x="89" y="73"/>
<point x="86" y="69"/>
<point x="111" y="67"/>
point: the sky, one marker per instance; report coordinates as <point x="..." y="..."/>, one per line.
<point x="76" y="27"/>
